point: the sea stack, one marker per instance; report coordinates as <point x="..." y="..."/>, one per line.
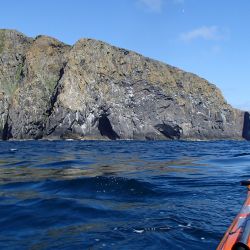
<point x="93" y="90"/>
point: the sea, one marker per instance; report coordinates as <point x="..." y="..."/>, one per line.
<point x="120" y="194"/>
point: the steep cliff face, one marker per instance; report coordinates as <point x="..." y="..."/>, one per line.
<point x="93" y="90"/>
<point x="13" y="46"/>
<point x="43" y="68"/>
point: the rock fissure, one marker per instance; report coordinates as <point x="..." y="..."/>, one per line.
<point x="55" y="93"/>
<point x="6" y="134"/>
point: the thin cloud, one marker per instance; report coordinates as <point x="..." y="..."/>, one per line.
<point x="205" y="33"/>
<point x="156" y="5"/>
<point x="179" y="1"/>
<point x="216" y="49"/>
<point x="152" y="5"/>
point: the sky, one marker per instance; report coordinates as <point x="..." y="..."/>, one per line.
<point x="210" y="38"/>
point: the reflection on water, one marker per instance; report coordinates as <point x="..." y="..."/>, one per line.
<point x="24" y="172"/>
<point x="119" y="195"/>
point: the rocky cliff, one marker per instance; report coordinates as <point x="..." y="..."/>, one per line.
<point x="93" y="90"/>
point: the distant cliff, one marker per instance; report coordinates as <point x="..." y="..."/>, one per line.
<point x="93" y="90"/>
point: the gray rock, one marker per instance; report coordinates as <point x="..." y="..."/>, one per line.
<point x="93" y="90"/>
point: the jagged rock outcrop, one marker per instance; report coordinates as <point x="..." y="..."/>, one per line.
<point x="93" y="90"/>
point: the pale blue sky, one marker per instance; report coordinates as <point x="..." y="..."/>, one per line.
<point x="210" y="38"/>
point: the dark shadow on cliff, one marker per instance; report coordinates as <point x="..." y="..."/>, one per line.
<point x="56" y="92"/>
<point x="6" y="135"/>
<point x="246" y="126"/>
<point x="171" y="132"/>
<point x="106" y="129"/>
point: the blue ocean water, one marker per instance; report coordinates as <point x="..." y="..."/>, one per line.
<point x="119" y="194"/>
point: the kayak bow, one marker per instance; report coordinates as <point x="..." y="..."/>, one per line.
<point x="237" y="235"/>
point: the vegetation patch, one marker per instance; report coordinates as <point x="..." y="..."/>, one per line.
<point x="10" y="89"/>
<point x="19" y="73"/>
<point x="2" y="39"/>
<point x="51" y="84"/>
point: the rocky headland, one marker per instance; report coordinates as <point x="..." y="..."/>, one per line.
<point x="93" y="90"/>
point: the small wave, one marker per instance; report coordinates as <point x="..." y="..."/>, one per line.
<point x="161" y="229"/>
<point x="116" y="187"/>
<point x="241" y="154"/>
<point x="152" y="229"/>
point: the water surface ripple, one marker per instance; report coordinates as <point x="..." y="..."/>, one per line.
<point x="119" y="195"/>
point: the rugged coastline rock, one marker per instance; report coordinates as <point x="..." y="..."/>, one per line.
<point x="93" y="90"/>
